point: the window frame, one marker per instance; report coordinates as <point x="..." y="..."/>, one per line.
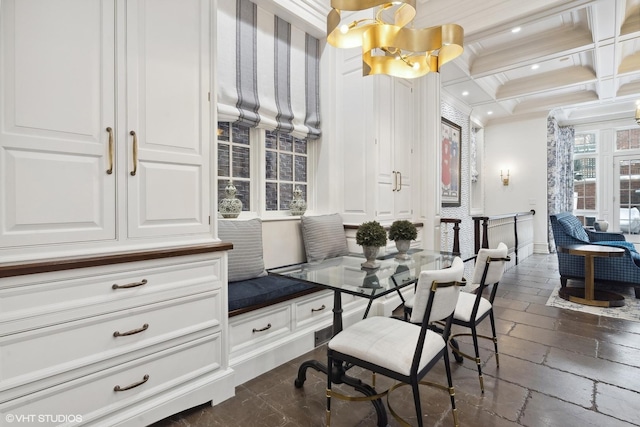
<point x="595" y="155"/>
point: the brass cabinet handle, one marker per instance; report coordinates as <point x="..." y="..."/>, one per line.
<point x="135" y="152"/>
<point x="263" y="329"/>
<point x="134" y="385"/>
<point x="110" y="170"/>
<point x="131" y="332"/>
<point x="400" y="186"/>
<point x="129" y="285"/>
<point x="318" y="309"/>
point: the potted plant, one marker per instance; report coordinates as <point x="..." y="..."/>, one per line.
<point x="402" y="232"/>
<point x="371" y="236"/>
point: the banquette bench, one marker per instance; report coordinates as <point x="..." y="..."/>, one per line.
<point x="274" y="319"/>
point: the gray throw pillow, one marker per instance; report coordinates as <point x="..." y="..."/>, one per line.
<point x="323" y="237"/>
<point x="245" y="259"/>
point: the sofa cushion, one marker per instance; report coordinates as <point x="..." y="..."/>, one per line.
<point x="323" y="237"/>
<point x="245" y="259"/>
<point x="573" y="227"/>
<point x="263" y="290"/>
<point x="620" y="244"/>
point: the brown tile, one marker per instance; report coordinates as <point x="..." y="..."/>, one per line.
<point x="619" y="353"/>
<point x="562" y="340"/>
<point x="545" y="411"/>
<point x="597" y="369"/>
<point x="526" y="318"/>
<point x="619" y="403"/>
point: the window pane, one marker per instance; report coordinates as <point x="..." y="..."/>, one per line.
<point x="300" y="145"/>
<point x="271" y="160"/>
<point x="286" y="195"/>
<point x="286" y="167"/>
<point x="241" y="162"/>
<point x="584" y="184"/>
<point x="271" y="140"/>
<point x="223" y="160"/>
<point x="286" y="142"/>
<point x="223" y="131"/>
<point x="241" y="134"/>
<point x="271" y="197"/>
<point x="628" y="139"/>
<point x="301" y="169"/>
<point x="585" y="143"/>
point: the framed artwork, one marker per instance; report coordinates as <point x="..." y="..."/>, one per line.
<point x="451" y="163"/>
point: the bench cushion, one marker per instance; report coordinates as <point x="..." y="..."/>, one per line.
<point x="264" y="290"/>
<point x="245" y="259"/>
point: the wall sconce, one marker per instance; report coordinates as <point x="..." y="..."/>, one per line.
<point x="504" y="178"/>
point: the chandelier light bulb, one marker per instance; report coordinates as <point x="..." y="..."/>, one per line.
<point x="416" y="66"/>
<point x="344" y="29"/>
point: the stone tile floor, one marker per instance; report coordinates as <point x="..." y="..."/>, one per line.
<point x="557" y="368"/>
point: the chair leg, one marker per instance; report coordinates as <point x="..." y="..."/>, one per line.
<point x="563" y="282"/>
<point x="416" y="399"/>
<point x="328" y="413"/>
<point x="452" y="392"/>
<point x="495" y="337"/>
<point x="474" y="334"/>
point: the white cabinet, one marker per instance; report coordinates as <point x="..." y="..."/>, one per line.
<point x="104" y="134"/>
<point x="126" y="338"/>
<point x="376" y="121"/>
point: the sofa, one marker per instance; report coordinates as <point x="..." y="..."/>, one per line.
<point x="621" y="271"/>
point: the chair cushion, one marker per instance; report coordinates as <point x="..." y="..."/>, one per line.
<point x="493" y="275"/>
<point x="387" y="342"/>
<point x="465" y="306"/>
<point x="323" y="237"/>
<point x="445" y="299"/>
<point x="573" y="227"/>
<point x="245" y="260"/>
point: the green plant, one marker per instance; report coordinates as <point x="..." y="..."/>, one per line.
<point x="371" y="234"/>
<point x="402" y="230"/>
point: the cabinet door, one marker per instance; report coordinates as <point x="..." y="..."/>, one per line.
<point x="167" y="56"/>
<point x="403" y="135"/>
<point x="57" y="85"/>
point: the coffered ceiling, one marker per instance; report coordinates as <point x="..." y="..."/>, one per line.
<point x="578" y="58"/>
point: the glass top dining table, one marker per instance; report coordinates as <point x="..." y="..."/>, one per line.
<point x="345" y="275"/>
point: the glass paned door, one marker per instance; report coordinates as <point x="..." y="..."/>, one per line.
<point x="627" y="203"/>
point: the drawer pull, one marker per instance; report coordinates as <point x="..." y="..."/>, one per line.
<point x="134" y="385"/>
<point x="130" y="285"/>
<point x="318" y="309"/>
<point x="131" y="332"/>
<point x="263" y="329"/>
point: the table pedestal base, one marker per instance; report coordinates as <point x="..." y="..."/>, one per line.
<point x="601" y="298"/>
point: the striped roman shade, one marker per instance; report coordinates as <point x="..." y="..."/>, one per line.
<point x="268" y="71"/>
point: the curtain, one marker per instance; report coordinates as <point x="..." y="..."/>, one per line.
<point x="560" y="143"/>
<point x="268" y="71"/>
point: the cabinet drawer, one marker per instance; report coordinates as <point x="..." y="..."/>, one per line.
<point x="39" y="300"/>
<point x="250" y="330"/>
<point x="73" y="344"/>
<point x="93" y="395"/>
<point x="313" y="309"/>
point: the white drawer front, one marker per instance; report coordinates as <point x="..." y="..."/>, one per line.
<point x="250" y="330"/>
<point x="93" y="395"/>
<point x="73" y="344"/>
<point x="315" y="308"/>
<point x="44" y="299"/>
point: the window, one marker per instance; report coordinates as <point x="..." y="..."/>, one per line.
<point x="628" y="139"/>
<point x="585" y="172"/>
<point x="285" y="159"/>
<point x="234" y="161"/>
<point x="286" y="167"/>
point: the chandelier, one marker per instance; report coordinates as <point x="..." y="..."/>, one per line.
<point x="393" y="48"/>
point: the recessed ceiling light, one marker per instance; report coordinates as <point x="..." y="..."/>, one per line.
<point x="489" y="112"/>
<point x="465" y="93"/>
<point x="535" y="66"/>
<point x="516" y="30"/>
